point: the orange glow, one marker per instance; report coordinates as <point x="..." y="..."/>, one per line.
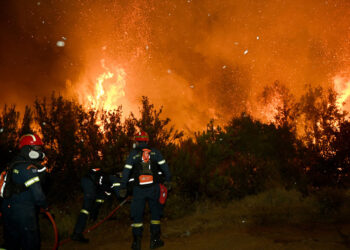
<point x="342" y="87"/>
<point x="270" y="109"/>
<point x="198" y="60"/>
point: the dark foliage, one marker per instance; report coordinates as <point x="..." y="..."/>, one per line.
<point x="243" y="157"/>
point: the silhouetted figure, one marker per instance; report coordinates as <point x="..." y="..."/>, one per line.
<point x="20" y="209"/>
<point x="97" y="186"/>
<point x="146" y="165"/>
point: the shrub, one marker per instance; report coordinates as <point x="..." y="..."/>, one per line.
<point x="330" y="200"/>
<point x="277" y="206"/>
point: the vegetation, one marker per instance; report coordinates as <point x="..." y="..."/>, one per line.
<point x="297" y="164"/>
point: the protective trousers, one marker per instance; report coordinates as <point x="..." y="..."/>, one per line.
<point x="141" y="195"/>
<point x="91" y="203"/>
<point x="21" y="229"/>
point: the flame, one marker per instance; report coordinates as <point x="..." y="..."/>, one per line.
<point x="270" y="109"/>
<point x="342" y="87"/>
<point x="108" y="89"/>
<point x="267" y="109"/>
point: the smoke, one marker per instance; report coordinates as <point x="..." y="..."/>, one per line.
<point x="199" y="59"/>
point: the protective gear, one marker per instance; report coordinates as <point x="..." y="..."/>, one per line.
<point x="96" y="186"/>
<point x="79" y="237"/>
<point x="163" y="194"/>
<point x="32" y="153"/>
<point x="136" y="244"/>
<point x="20" y="210"/>
<point x="30" y="140"/>
<point x="143" y="165"/>
<point x="36" y="153"/>
<point x="141" y="136"/>
<point x="156" y="242"/>
<point x="7" y="186"/>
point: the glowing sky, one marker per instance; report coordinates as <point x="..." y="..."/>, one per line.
<point x="198" y="58"/>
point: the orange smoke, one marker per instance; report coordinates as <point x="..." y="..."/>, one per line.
<point x="202" y="59"/>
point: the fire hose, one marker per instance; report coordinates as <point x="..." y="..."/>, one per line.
<point x="48" y="214"/>
<point x="98" y="223"/>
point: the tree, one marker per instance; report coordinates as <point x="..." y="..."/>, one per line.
<point x="287" y="110"/>
<point x="8" y="134"/>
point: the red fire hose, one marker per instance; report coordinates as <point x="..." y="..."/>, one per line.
<point x="57" y="244"/>
<point x="98" y="223"/>
<point x="55" y="247"/>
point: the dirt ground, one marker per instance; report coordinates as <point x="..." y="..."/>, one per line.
<point x="240" y="237"/>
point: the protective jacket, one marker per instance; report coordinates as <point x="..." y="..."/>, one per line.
<point x="137" y="165"/>
<point x="30" y="175"/>
<point x="21" y="229"/>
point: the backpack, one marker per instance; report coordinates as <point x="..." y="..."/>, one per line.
<point x="7" y="186"/>
<point x="147" y="170"/>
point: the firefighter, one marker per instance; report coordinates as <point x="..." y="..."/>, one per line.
<point x="20" y="209"/>
<point x="97" y="186"/>
<point x="143" y="165"/>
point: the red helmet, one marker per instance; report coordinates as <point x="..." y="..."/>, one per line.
<point x="141" y="136"/>
<point x="30" y="139"/>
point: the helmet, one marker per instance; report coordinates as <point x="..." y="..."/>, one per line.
<point x="30" y="140"/>
<point x="141" y="136"/>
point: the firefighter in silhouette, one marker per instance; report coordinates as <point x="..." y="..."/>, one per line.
<point x="25" y="195"/>
<point x="97" y="186"/>
<point x="144" y="164"/>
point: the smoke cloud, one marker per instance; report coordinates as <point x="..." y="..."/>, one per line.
<point x="199" y="59"/>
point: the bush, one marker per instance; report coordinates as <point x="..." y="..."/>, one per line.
<point x="278" y="206"/>
<point x="330" y="200"/>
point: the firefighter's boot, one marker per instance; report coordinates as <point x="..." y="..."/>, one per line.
<point x="156" y="242"/>
<point x="136" y="244"/>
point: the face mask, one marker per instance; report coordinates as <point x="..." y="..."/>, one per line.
<point x="36" y="154"/>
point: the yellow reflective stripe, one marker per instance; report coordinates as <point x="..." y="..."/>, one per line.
<point x="128" y="166"/>
<point x="15" y="171"/>
<point x="137" y="224"/>
<point x="155" y="222"/>
<point x="117" y="184"/>
<point x="100" y="200"/>
<point x="84" y="211"/>
<point x="31" y="181"/>
<point x="161" y="162"/>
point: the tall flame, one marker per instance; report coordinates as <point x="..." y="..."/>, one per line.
<point x="106" y="91"/>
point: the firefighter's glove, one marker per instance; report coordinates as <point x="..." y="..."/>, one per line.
<point x="122" y="192"/>
<point x="167" y="184"/>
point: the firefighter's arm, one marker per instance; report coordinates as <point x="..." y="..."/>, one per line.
<point x="115" y="185"/>
<point x="125" y="176"/>
<point x="127" y="170"/>
<point x="163" y="166"/>
<point x="32" y="182"/>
